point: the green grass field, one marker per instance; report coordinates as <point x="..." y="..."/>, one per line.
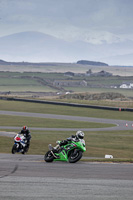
<point x="38" y="82"/>
<point x="48" y="123"/>
<point x="18" y="84"/>
<point x="116" y="143"/>
<point x="63" y="110"/>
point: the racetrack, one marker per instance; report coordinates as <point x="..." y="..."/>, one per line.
<point x="29" y="177"/>
<point x="118" y="124"/>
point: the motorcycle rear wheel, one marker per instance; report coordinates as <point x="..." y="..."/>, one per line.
<point x="75" y="157"/>
<point x="48" y="157"/>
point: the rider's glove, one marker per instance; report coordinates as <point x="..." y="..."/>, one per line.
<point x="69" y="139"/>
<point x="63" y="142"/>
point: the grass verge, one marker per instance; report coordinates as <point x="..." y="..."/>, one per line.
<point x="63" y="110"/>
<point x="7" y="120"/>
<point x="117" y="143"/>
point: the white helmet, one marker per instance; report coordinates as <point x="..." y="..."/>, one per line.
<point x="80" y="134"/>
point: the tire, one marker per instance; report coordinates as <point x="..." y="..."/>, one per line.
<point x="25" y="149"/>
<point x="49" y="157"/>
<point x="23" y="152"/>
<point x="74" y="158"/>
<point x="14" y="149"/>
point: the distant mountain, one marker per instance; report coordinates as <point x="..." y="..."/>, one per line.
<point x="32" y="47"/>
<point x="3" y="62"/>
<point x="83" y="62"/>
<point x="39" y="47"/>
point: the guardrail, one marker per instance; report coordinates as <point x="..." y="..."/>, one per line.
<point x="67" y="104"/>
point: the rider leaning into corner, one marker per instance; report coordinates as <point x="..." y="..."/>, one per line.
<point x="25" y="131"/>
<point x="78" y="137"/>
<point x="70" y="150"/>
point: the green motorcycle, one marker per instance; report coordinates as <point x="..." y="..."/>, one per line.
<point x="71" y="152"/>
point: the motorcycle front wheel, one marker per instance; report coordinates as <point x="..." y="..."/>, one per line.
<point x="14" y="149"/>
<point x="74" y="157"/>
<point x="48" y="157"/>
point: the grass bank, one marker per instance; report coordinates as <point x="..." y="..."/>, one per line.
<point x="63" y="110"/>
<point x="118" y="143"/>
<point x="7" y="120"/>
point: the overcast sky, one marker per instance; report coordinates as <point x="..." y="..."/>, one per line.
<point x="94" y="21"/>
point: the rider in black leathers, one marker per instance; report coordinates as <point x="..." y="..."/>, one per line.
<point x="25" y="131"/>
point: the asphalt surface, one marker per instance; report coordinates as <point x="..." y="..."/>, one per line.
<point x="118" y="124"/>
<point x="30" y="177"/>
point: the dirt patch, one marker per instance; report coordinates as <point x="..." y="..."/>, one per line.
<point x="97" y="96"/>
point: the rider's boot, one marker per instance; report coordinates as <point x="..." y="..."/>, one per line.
<point x="53" y="151"/>
<point x="50" y="147"/>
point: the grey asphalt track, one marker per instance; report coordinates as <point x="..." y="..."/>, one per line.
<point x="118" y="124"/>
<point x="29" y="177"/>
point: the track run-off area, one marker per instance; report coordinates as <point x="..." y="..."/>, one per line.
<point x="30" y="177"/>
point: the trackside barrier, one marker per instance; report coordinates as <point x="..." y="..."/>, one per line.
<point x="67" y="104"/>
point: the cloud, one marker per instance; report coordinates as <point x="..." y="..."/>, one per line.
<point x="94" y="21"/>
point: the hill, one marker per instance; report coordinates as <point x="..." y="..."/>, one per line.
<point x="86" y="62"/>
<point x="82" y="62"/>
<point x="36" y="47"/>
